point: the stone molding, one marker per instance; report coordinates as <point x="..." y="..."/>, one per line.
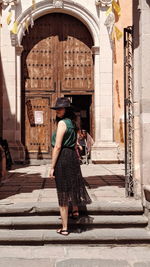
<point x="9" y="2"/>
<point x="14" y="39"/>
<point x="103" y="2"/>
<point x="95" y="50"/>
<point x="69" y="7"/>
<point x="58" y="3"/>
<point x="19" y="50"/>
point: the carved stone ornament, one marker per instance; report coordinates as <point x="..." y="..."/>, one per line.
<point x="103" y="2"/>
<point x="58" y="3"/>
<point x="95" y="50"/>
<point x="19" y="50"/>
<point x="14" y="39"/>
<point x="110" y="20"/>
<point x="11" y="2"/>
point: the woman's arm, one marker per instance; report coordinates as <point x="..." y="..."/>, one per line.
<point x="61" y="129"/>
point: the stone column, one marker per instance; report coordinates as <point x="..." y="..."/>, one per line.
<point x="96" y="52"/>
<point x="104" y="149"/>
<point x="11" y="99"/>
<point x="144" y="85"/>
<point x="137" y="89"/>
<point x="9" y="83"/>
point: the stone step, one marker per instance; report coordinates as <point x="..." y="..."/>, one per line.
<point x="93" y="236"/>
<point x="127" y="206"/>
<point x="52" y="222"/>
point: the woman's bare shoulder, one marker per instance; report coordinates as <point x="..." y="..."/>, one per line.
<point x="61" y="124"/>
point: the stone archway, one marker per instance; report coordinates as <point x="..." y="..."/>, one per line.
<point x="56" y="60"/>
<point x="70" y="8"/>
<point x="104" y="149"/>
<point x="74" y="9"/>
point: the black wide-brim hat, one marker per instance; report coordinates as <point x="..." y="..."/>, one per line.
<point x="62" y="102"/>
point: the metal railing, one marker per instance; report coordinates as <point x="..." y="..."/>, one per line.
<point x="129" y="111"/>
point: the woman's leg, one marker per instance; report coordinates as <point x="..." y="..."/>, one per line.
<point x="64" y="217"/>
<point x="75" y="210"/>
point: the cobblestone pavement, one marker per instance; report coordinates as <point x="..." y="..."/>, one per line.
<point x="74" y="256"/>
<point x="31" y="183"/>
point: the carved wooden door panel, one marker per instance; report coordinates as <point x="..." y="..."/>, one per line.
<point x="40" y="56"/>
<point x="37" y="125"/>
<point x="76" y="73"/>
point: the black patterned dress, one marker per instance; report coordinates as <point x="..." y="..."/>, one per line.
<point x="69" y="181"/>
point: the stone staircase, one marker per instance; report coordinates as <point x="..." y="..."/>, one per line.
<point x="107" y="222"/>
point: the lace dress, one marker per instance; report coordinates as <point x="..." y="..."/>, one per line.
<point x="69" y="181"/>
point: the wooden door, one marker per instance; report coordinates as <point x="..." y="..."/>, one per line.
<point x="57" y="58"/>
<point x="76" y="73"/>
<point x="37" y="125"/>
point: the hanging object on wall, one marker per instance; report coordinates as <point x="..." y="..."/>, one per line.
<point x="15" y="28"/>
<point x="109" y="23"/>
<point x="109" y="10"/>
<point x="119" y="33"/>
<point x="11" y="22"/>
<point x="9" y="17"/>
<point x="27" y="25"/>
<point x="31" y="21"/>
<point x="110" y="13"/>
<point x="116" y="7"/>
<point x="110" y="20"/>
<point x="118" y="93"/>
<point x="23" y="29"/>
<point x="33" y="4"/>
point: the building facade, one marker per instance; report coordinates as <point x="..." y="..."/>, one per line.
<point x="62" y="48"/>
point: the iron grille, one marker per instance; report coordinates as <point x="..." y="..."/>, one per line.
<point x="129" y="111"/>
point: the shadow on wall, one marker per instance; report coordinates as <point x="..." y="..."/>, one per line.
<point x="1" y="102"/>
<point x="136" y="22"/>
<point x="8" y="121"/>
<point x="148" y="2"/>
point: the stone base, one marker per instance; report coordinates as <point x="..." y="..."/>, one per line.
<point x="107" y="152"/>
<point x="3" y="171"/>
<point x="147" y="192"/>
<point x="17" y="151"/>
<point x="146" y="189"/>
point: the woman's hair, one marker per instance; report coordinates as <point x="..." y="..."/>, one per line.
<point x="69" y="114"/>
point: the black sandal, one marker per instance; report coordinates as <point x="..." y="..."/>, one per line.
<point x="74" y="216"/>
<point x="61" y="231"/>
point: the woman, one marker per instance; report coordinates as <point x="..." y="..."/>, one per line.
<point x="65" y="166"/>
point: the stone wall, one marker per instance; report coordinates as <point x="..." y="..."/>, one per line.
<point x="123" y="21"/>
<point x="144" y="85"/>
<point x="1" y="92"/>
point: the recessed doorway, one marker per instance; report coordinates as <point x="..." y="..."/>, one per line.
<point x="84" y="111"/>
